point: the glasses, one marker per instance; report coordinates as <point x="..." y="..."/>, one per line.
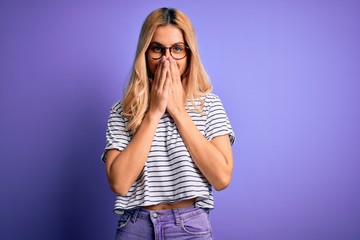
<point x="178" y="51"/>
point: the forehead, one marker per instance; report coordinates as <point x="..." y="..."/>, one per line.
<point x="167" y="35"/>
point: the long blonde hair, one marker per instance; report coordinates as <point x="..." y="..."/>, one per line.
<point x="136" y="98"/>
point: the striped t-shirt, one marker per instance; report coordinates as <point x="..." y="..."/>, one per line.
<point x="169" y="175"/>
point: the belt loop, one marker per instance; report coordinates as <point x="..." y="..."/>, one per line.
<point x="177" y="216"/>
<point x="134" y="215"/>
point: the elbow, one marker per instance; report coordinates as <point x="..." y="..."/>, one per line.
<point x="119" y="185"/>
<point x="222" y="183"/>
<point x="119" y="189"/>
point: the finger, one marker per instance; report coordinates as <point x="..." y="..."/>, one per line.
<point x="158" y="70"/>
<point x="175" y="75"/>
<point x="164" y="74"/>
<point x="167" y="82"/>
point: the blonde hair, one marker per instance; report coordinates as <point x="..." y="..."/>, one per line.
<point x="136" y="98"/>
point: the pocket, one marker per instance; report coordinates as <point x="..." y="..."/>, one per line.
<point x="124" y="219"/>
<point x="198" y="224"/>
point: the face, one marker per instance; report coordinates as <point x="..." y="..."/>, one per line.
<point x="167" y="36"/>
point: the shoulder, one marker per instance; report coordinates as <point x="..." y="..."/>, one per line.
<point x="117" y="112"/>
<point x="117" y="108"/>
<point x="211" y="99"/>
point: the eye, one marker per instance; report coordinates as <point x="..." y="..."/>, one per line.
<point x="157" y="48"/>
<point x="177" y="48"/>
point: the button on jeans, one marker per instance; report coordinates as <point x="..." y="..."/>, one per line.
<point x="180" y="224"/>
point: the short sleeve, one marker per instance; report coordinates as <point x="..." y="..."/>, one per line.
<point x="117" y="136"/>
<point x="217" y="123"/>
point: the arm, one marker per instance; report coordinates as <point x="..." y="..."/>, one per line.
<point x="213" y="158"/>
<point x="123" y="168"/>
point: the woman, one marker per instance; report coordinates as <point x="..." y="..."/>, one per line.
<point x="169" y="139"/>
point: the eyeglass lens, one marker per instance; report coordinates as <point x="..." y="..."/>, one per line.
<point x="177" y="51"/>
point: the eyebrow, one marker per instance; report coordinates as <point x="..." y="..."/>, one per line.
<point x="164" y="46"/>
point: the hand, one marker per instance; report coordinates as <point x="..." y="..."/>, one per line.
<point x="176" y="97"/>
<point x="159" y="88"/>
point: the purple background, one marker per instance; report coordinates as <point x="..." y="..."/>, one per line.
<point x="288" y="73"/>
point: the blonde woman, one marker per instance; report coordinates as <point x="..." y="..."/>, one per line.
<point x="169" y="138"/>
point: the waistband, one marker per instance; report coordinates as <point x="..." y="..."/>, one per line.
<point x="168" y="215"/>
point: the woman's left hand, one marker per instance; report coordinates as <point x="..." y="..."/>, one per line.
<point x="176" y="97"/>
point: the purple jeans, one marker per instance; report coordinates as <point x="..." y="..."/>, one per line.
<point x="183" y="223"/>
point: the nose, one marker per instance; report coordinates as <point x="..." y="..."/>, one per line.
<point x="167" y="53"/>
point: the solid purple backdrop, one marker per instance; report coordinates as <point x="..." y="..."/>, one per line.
<point x="288" y="73"/>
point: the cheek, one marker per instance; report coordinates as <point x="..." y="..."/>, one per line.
<point x="152" y="66"/>
<point x="182" y="66"/>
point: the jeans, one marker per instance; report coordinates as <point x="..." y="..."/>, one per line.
<point x="183" y="223"/>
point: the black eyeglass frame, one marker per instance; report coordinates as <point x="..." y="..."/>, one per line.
<point x="163" y="50"/>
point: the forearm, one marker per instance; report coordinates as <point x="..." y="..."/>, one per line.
<point x="128" y="164"/>
<point x="214" y="163"/>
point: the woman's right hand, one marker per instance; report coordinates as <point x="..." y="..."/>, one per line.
<point x="123" y="168"/>
<point x="159" y="88"/>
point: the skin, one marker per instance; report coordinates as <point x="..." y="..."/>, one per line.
<point x="213" y="158"/>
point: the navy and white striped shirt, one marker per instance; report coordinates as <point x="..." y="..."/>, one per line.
<point x="169" y="175"/>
